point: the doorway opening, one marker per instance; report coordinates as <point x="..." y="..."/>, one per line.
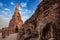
<point x="16" y="29"/>
<point x="46" y="32"/>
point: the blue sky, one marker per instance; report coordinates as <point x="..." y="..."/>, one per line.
<point x="26" y="7"/>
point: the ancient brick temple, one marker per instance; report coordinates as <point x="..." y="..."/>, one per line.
<point x="44" y="23"/>
<point x="15" y="22"/>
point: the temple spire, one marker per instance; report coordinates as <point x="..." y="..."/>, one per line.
<point x="17" y="8"/>
<point x="16" y="12"/>
<point x="16" y="20"/>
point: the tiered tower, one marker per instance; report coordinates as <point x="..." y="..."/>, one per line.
<point x="15" y="22"/>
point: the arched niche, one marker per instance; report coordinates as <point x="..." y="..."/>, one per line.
<point x="48" y="32"/>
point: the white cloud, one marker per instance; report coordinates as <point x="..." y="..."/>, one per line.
<point x="3" y="11"/>
<point x="12" y="3"/>
<point x="20" y="8"/>
<point x="4" y="21"/>
<point x="23" y="4"/>
<point x="33" y="11"/>
<point x="29" y="11"/>
<point x="6" y="13"/>
<point x="25" y="14"/>
<point x="24" y="11"/>
<point x="24" y="18"/>
<point x="7" y="9"/>
<point x="1" y="4"/>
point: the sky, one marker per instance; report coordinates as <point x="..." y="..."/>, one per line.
<point x="26" y="9"/>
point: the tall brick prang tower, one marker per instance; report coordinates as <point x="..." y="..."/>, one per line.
<point x="15" y="22"/>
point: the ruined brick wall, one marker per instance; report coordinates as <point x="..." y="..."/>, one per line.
<point x="43" y="23"/>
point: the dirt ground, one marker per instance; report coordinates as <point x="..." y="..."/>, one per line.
<point x="10" y="37"/>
